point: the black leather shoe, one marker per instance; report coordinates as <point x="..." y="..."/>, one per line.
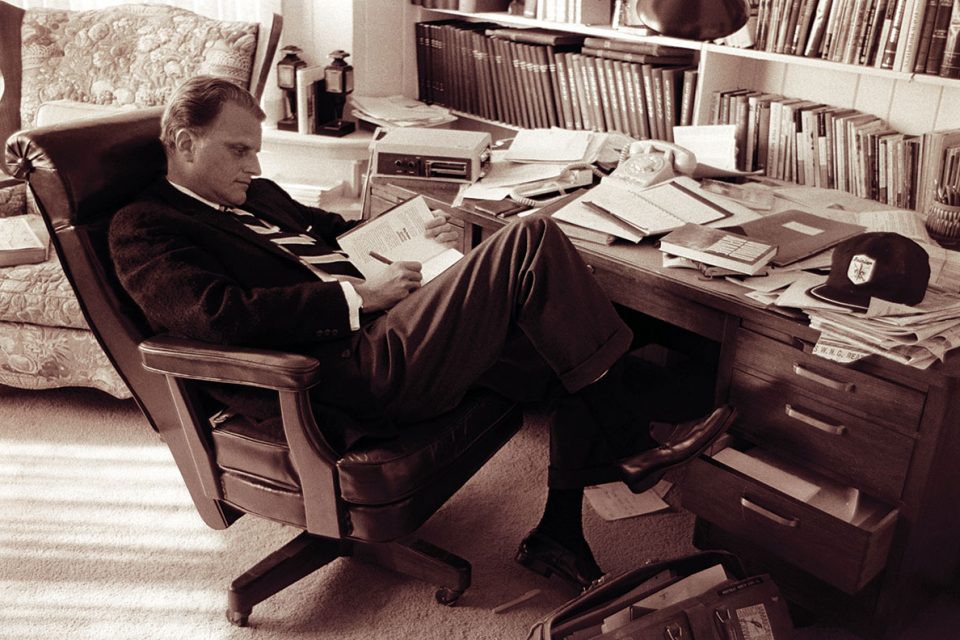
<point x="544" y="555"/>
<point x="645" y="469"/>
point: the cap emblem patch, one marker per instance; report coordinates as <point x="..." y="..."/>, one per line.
<point x="861" y="269"/>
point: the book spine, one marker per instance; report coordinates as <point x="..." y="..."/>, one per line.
<point x="817" y="29"/>
<point x="657" y="76"/>
<point x="950" y="66"/>
<point x="911" y="37"/>
<point x="926" y="35"/>
<point x="893" y="36"/>
<point x="688" y="96"/>
<point x="643" y="117"/>
<point x="623" y="101"/>
<point x="562" y="78"/>
<point x="763" y="137"/>
<point x="630" y="93"/>
<point x="938" y="37"/>
<point x="573" y="85"/>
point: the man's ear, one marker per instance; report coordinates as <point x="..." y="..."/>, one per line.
<point x="185" y="143"/>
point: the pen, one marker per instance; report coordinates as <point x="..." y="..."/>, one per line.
<point x="380" y="258"/>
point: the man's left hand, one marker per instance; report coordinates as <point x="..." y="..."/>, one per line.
<point x="441" y="230"/>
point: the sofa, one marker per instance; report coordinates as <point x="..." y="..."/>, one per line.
<point x="58" y="65"/>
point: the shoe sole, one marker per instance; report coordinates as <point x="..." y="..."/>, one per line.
<point x="653" y="478"/>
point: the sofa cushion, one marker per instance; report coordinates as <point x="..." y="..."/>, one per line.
<point x="88" y="56"/>
<point x="39" y="294"/>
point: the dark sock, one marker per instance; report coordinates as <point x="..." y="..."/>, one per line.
<point x="562" y="518"/>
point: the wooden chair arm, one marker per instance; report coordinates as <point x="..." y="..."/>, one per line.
<point x="195" y="360"/>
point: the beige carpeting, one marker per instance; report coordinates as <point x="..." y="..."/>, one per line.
<point x="99" y="541"/>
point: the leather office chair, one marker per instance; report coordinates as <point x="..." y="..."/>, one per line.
<point x="365" y="503"/>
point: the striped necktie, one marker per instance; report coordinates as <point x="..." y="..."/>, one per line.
<point x="324" y="261"/>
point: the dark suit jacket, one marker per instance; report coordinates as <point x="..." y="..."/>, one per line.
<point x="199" y="273"/>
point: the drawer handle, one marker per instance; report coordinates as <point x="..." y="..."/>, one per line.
<point x="836" y="385"/>
<point x="832" y="429"/>
<point x="749" y="505"/>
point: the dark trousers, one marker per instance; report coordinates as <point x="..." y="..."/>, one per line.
<point x="520" y="314"/>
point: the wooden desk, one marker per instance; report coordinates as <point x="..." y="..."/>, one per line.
<point x="886" y="429"/>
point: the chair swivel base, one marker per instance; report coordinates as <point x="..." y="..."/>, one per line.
<point x="307" y="552"/>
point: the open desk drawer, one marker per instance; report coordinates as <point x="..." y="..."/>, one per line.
<point x="845" y="554"/>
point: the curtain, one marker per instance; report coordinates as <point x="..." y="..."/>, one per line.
<point x="246" y="10"/>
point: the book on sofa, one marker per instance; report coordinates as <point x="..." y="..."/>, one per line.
<point x="23" y="240"/>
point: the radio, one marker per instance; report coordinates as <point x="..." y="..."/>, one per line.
<point x="432" y="154"/>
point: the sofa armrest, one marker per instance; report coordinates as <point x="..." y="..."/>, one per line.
<point x="197" y="360"/>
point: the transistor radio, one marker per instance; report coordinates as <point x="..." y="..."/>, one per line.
<point x="432" y="154"/>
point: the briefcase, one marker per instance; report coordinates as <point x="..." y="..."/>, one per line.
<point x="703" y="596"/>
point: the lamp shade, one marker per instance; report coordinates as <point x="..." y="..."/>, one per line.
<point x="694" y="19"/>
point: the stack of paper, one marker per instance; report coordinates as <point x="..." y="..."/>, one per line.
<point x="398" y="111"/>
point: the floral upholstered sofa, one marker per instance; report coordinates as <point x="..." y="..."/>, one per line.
<point x="57" y="65"/>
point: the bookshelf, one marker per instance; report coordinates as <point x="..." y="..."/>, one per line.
<point x="910" y="103"/>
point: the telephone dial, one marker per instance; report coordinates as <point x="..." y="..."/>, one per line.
<point x="648" y="162"/>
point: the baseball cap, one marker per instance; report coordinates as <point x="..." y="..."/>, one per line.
<point x="876" y="264"/>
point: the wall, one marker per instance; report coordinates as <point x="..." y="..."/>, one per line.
<point x="365" y="28"/>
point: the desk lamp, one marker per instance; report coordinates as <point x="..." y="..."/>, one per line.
<point x="338" y="77"/>
<point x="694" y="19"/>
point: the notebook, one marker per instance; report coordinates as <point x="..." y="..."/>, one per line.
<point x="798" y="234"/>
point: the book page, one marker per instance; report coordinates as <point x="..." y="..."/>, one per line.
<point x="17" y="234"/>
<point x="398" y="235"/>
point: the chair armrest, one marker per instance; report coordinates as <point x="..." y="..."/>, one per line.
<point x="197" y="360"/>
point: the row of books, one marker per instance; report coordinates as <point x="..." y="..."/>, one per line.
<point x="912" y="36"/>
<point x="822" y="146"/>
<point x="571" y="11"/>
<point x="534" y="78"/>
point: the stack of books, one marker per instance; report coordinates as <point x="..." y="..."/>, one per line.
<point x="537" y="78"/>
<point x="913" y="36"/>
<point x="819" y="145"/>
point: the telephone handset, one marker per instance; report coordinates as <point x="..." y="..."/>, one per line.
<point x="642" y="166"/>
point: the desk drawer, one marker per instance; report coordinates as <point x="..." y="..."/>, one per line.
<point x="781" y="417"/>
<point x="854" y="390"/>
<point x="847" y="555"/>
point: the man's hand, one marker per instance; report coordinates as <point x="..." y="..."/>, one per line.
<point x="390" y="286"/>
<point x="441" y="230"/>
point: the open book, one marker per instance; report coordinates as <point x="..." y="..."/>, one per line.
<point x="398" y="235"/>
<point x="23" y="240"/>
<point x="633" y="212"/>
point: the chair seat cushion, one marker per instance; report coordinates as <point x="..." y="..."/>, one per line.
<point x="378" y="473"/>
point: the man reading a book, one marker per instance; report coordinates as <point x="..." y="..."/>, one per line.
<point x="214" y="253"/>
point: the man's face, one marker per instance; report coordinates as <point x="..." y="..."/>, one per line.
<point x="221" y="160"/>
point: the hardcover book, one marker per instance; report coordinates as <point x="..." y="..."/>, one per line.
<point x="798" y="234"/>
<point x="22" y="241"/>
<point x="718" y="247"/>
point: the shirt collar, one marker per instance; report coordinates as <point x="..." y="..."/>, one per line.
<point x="184" y="190"/>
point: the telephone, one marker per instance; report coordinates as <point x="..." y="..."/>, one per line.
<point x="641" y="166"/>
<point x="572" y="177"/>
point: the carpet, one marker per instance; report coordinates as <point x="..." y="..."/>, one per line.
<point x="99" y="541"/>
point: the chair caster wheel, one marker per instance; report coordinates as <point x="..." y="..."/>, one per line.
<point x="448" y="597"/>
<point x="237" y="618"/>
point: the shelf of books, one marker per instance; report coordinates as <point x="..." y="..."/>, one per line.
<point x="871" y="96"/>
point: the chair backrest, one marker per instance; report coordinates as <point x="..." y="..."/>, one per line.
<point x="82" y="174"/>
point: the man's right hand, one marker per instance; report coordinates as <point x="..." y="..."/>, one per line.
<point x="390" y="286"/>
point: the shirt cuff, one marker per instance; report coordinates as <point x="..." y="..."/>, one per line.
<point x="354" y="301"/>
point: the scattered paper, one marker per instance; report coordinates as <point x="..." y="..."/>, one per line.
<point x="550" y="145"/>
<point x="399" y="111"/>
<point x="714" y="145"/>
<point x="615" y="501"/>
<point x="506" y="606"/>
